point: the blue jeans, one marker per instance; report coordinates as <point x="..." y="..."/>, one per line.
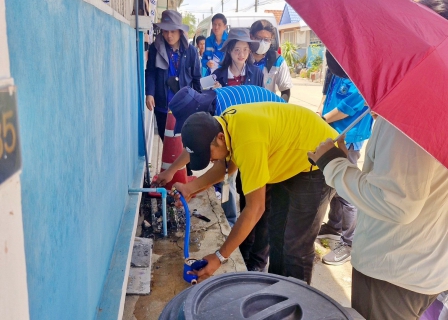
<point x="343" y="215"/>
<point x="229" y="206"/>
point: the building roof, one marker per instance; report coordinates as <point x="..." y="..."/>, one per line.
<point x="277" y="13"/>
<point x="289" y="15"/>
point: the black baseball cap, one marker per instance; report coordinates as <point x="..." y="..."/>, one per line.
<point x="188" y="101"/>
<point x="198" y="132"/>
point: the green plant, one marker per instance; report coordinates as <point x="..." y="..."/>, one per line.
<point x="317" y="62"/>
<point x="308" y="73"/>
<point x="190" y="20"/>
<point x="289" y="53"/>
<point x="303" y="60"/>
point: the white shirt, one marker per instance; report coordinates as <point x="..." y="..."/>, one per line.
<point x="402" y="199"/>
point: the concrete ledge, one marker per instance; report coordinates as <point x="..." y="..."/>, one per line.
<point x="112" y="299"/>
<point x="107" y="9"/>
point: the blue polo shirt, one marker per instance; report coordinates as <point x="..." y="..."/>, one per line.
<point x="230" y="96"/>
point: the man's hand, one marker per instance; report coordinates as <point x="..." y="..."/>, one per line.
<point x="210" y="64"/>
<point x="184" y="190"/>
<point x="209" y="269"/>
<point x="325" y="146"/>
<point x="150" y="104"/>
<point x="217" y="85"/>
<point x="163" y="178"/>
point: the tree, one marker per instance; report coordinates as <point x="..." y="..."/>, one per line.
<point x="289" y="52"/>
<point x="190" y="20"/>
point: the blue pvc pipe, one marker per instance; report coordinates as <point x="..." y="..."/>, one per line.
<point x="187" y="227"/>
<point x="164" y="194"/>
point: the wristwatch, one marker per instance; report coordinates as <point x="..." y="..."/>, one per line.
<point x="324" y="118"/>
<point x="221" y="257"/>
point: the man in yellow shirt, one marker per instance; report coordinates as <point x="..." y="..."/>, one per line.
<point x="268" y="142"/>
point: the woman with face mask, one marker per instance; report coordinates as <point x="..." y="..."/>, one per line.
<point x="274" y="67"/>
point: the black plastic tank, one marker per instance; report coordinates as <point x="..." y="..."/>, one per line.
<point x="254" y="296"/>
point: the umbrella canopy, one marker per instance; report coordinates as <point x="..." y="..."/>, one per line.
<point x="396" y="52"/>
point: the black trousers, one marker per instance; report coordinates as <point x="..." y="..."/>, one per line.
<point x="161" y="123"/>
<point x="296" y="211"/>
<point x="255" y="248"/>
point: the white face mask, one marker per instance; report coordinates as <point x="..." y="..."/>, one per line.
<point x="264" y="47"/>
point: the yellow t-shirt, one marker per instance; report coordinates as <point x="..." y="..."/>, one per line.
<point x="269" y="140"/>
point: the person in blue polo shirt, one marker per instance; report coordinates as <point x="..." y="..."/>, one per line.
<point x="255" y="249"/>
<point x="342" y="105"/>
<point x="212" y="55"/>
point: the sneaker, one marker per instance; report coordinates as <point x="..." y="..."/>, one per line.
<point x="327" y="232"/>
<point x="340" y="255"/>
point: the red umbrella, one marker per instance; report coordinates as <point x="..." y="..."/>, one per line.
<point x="396" y="52"/>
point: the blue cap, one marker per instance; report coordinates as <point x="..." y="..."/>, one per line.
<point x="188" y="101"/>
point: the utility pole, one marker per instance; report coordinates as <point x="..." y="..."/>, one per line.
<point x="202" y="16"/>
<point x="211" y="9"/>
<point x="256" y="4"/>
<point x="236" y="6"/>
<point x="222" y="6"/>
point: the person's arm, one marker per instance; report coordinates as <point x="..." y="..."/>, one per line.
<point x="321" y="105"/>
<point x="246" y="222"/>
<point x="166" y="176"/>
<point x="195" y="71"/>
<point x="327" y="82"/>
<point x="150" y="73"/>
<point x="349" y="106"/>
<point x="285" y="94"/>
<point x="396" y="187"/>
<point x="214" y="175"/>
<point x="284" y="81"/>
<point x="334" y="115"/>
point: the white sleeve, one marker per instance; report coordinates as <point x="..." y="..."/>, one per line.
<point x="283" y="79"/>
<point x="396" y="179"/>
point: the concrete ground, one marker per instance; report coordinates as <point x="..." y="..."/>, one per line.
<point x="167" y="281"/>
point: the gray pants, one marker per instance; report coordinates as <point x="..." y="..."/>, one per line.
<point x="380" y="300"/>
<point x="342" y="215"/>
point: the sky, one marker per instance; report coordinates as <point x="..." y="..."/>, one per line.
<point x="201" y="9"/>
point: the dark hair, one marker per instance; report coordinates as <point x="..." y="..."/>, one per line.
<point x="220" y="16"/>
<point x="261" y="25"/>
<point x="438" y="6"/>
<point x="199" y="38"/>
<point x="227" y="61"/>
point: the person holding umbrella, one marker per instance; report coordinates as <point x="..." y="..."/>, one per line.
<point x="342" y="105"/>
<point x="399" y="256"/>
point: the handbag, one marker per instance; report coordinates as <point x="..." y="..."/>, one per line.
<point x="173" y="84"/>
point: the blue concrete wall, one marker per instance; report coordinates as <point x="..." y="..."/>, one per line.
<point x="75" y="70"/>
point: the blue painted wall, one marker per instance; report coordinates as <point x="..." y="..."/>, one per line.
<point x="75" y="70"/>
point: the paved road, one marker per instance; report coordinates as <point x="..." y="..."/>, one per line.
<point x="306" y="93"/>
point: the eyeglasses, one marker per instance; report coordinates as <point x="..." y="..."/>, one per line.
<point x="264" y="39"/>
<point x="238" y="51"/>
